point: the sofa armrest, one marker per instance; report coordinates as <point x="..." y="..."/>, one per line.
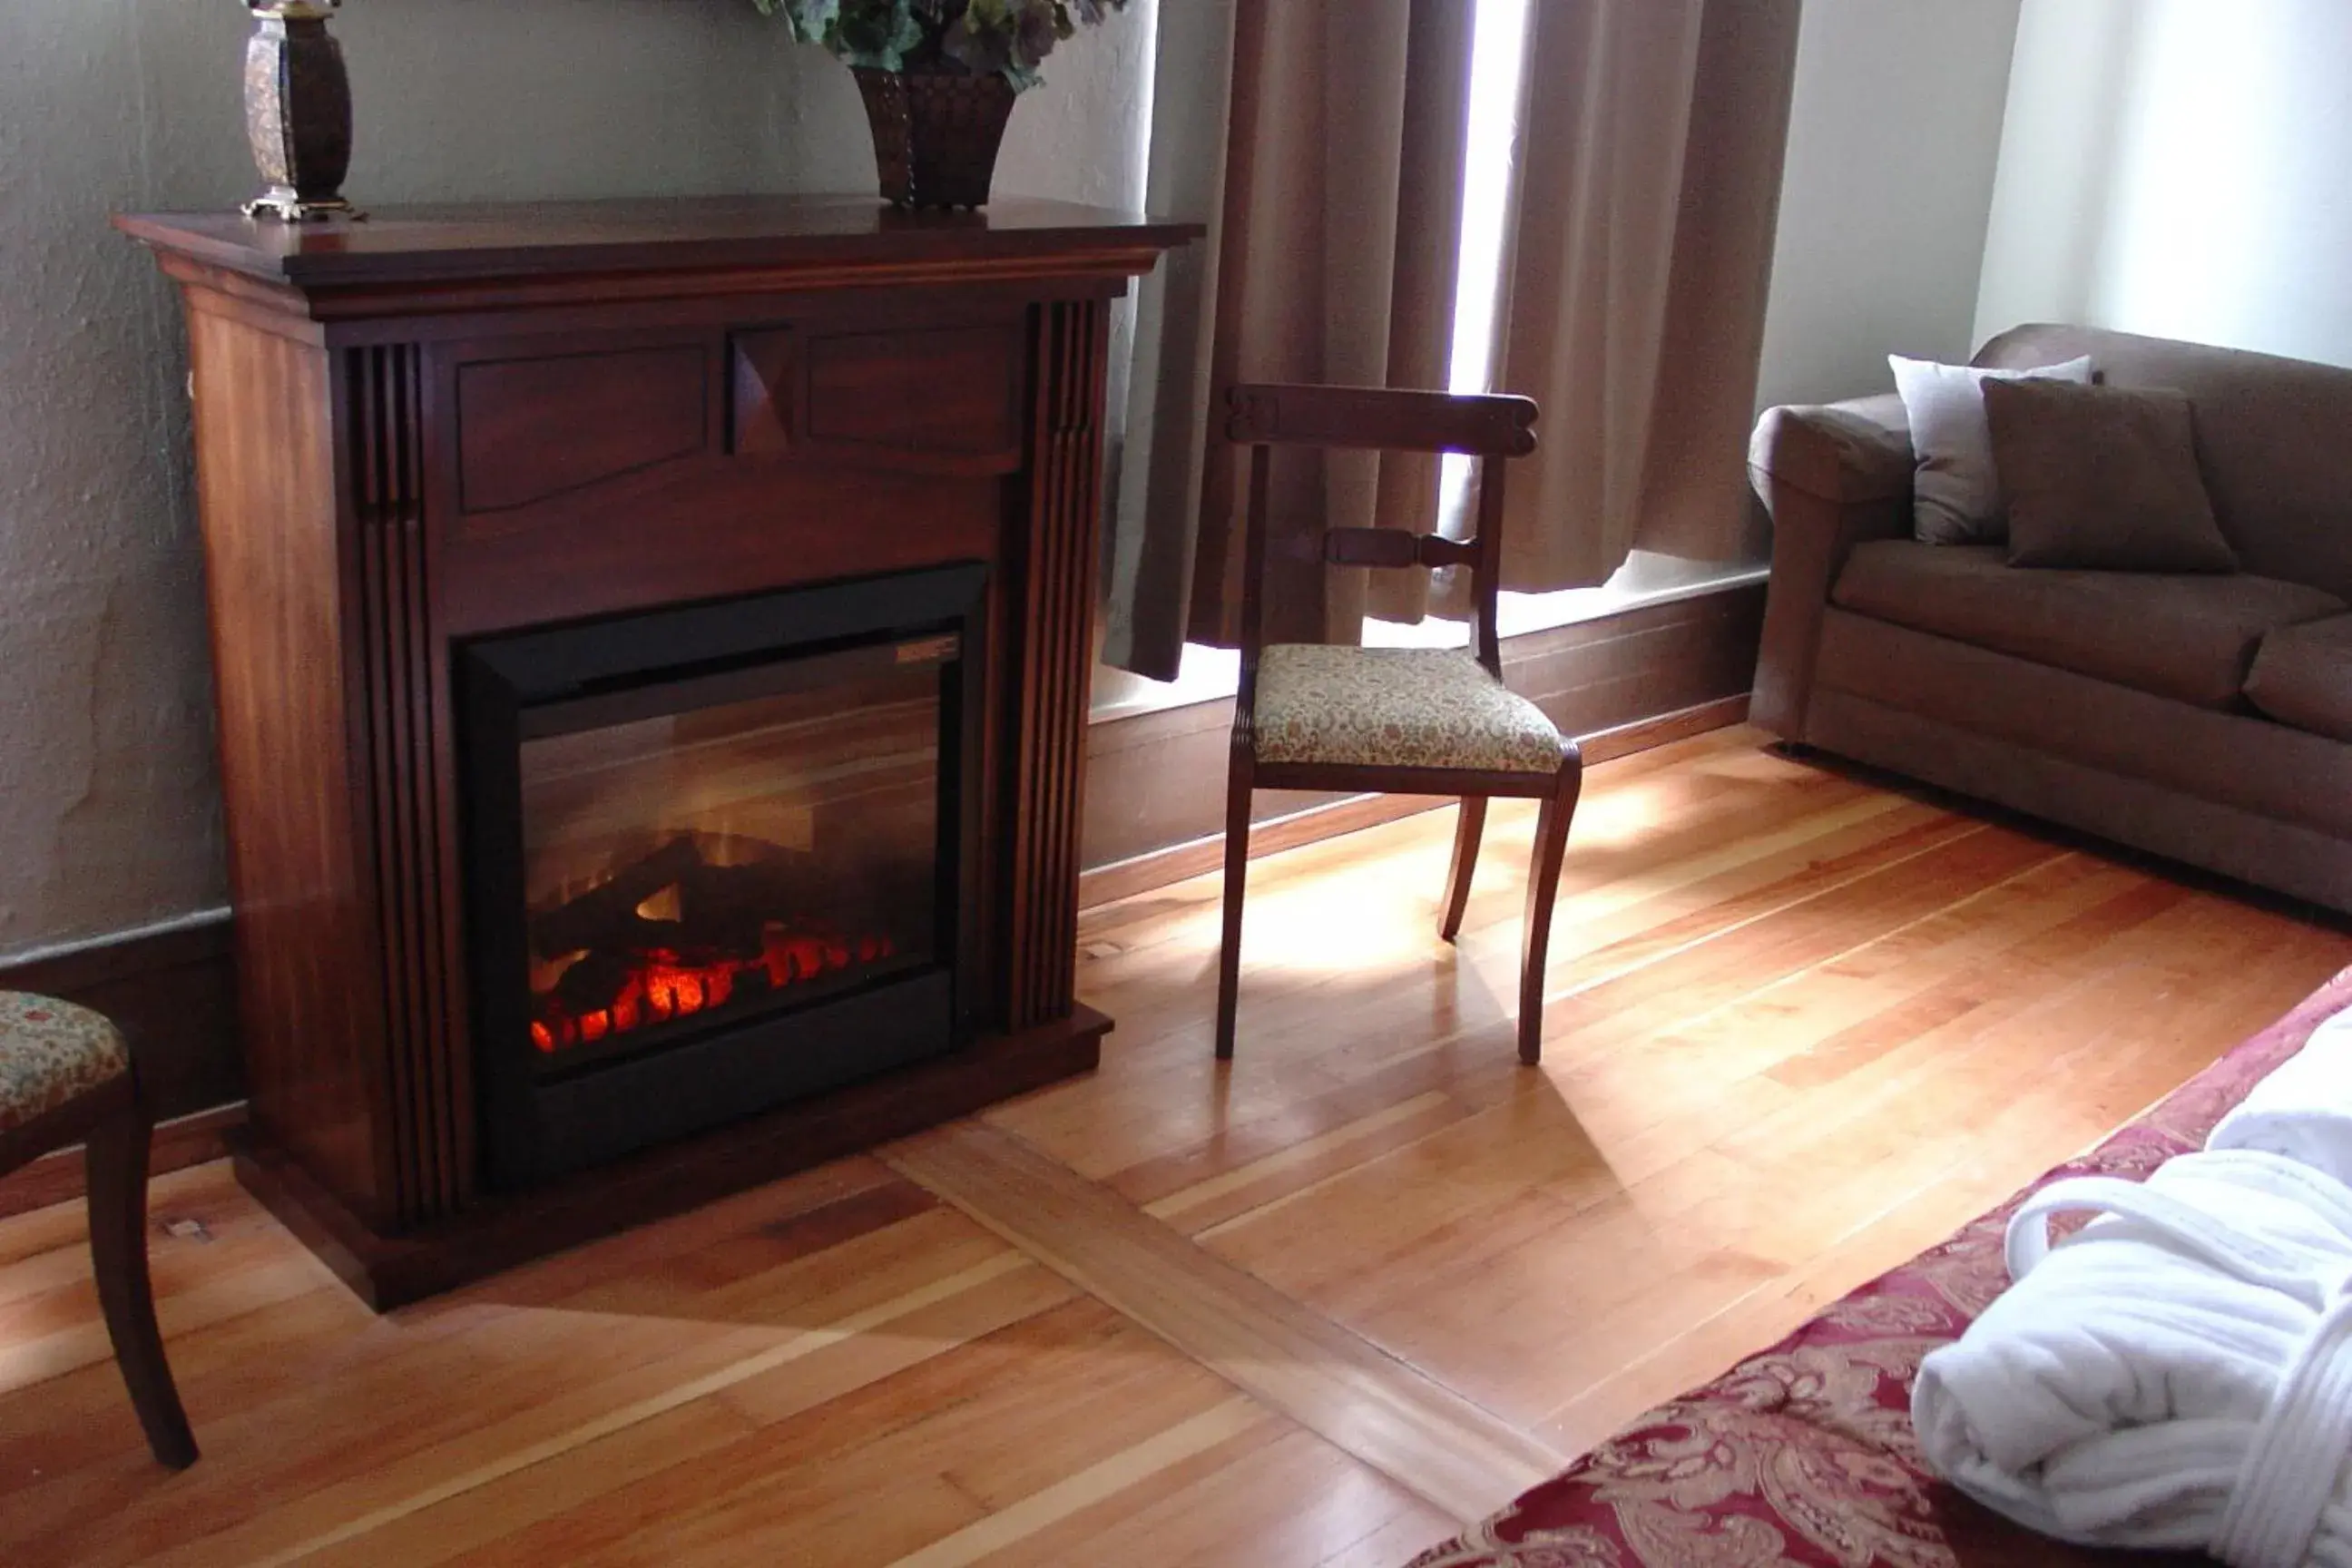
<point x="1832" y="475"/>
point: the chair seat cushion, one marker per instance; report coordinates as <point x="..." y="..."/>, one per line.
<point x="1396" y="707"/>
<point x="2303" y="676"/>
<point x="50" y="1053"/>
<point x="2188" y="636"/>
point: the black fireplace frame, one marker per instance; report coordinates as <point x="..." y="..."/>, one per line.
<point x="535" y="1126"/>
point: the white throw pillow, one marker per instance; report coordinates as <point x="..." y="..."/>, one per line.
<point x="1956" y="494"/>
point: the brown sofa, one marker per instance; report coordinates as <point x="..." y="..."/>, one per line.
<point x="2204" y="718"/>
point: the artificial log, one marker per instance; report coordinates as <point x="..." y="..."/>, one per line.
<point x="723" y="910"/>
<point x="723" y="915"/>
<point x="591" y="919"/>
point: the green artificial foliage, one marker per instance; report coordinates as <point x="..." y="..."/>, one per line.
<point x="1011" y="38"/>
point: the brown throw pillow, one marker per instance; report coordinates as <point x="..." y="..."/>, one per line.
<point x="2102" y="477"/>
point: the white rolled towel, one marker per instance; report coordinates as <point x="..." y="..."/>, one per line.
<point x="2303" y="1109"/>
<point x="2176" y="1374"/>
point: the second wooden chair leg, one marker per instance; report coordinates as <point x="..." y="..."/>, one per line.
<point x="1466" y="830"/>
<point x="1229" y="956"/>
<point x="117" y="1164"/>
<point x="1543" y="892"/>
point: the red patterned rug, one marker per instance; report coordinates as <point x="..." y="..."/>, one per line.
<point x="1803" y="1455"/>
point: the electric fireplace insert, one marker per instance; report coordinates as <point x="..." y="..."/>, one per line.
<point x="720" y="856"/>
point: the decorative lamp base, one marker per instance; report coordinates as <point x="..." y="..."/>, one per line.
<point x="288" y="207"/>
<point x="298" y="112"/>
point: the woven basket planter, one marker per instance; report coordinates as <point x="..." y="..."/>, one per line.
<point x="936" y="133"/>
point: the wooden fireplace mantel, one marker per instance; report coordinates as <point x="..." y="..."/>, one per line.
<point x="450" y="423"/>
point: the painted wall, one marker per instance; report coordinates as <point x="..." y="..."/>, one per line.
<point x="1894" y="135"/>
<point x="109" y="807"/>
<point x="2179" y="168"/>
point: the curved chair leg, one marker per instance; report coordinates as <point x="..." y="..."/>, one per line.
<point x="117" y="1164"/>
<point x="1543" y="891"/>
<point x="1229" y="956"/>
<point x="1467" y="829"/>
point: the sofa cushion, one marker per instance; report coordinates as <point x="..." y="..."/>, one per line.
<point x="2303" y="676"/>
<point x="1956" y="495"/>
<point x="2270" y="439"/>
<point x="2190" y="637"/>
<point x="2102" y="477"/>
<point x="2189" y="758"/>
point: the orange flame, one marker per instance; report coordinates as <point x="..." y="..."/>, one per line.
<point x="665" y="988"/>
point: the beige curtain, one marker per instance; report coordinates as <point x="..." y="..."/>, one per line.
<point x="1334" y="200"/>
<point x="1641" y="231"/>
<point x="1633" y="308"/>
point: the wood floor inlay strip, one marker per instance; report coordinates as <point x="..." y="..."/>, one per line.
<point x="1452" y="1453"/>
<point x="1316" y="1306"/>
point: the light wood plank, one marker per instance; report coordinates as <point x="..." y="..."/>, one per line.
<point x="1316" y="1306"/>
<point x="1393" y="1417"/>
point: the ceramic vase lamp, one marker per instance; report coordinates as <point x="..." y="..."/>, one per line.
<point x="298" y="112"/>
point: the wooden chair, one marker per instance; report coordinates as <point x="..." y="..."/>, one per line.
<point x="1409" y="721"/>
<point x="65" y="1078"/>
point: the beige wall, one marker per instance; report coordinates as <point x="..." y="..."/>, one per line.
<point x="2179" y="168"/>
<point x="1893" y="138"/>
<point x="108" y="809"/>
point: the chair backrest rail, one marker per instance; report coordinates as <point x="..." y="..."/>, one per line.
<point x="1490" y="427"/>
<point x="1479" y="425"/>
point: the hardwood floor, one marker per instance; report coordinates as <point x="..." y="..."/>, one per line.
<point x="1314" y="1309"/>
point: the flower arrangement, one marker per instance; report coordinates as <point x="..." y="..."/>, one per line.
<point x="1006" y="38"/>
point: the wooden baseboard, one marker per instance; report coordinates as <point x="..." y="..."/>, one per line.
<point x="1347" y="813"/>
<point x="1643" y="734"/>
<point x="173" y="994"/>
<point x="1155" y="807"/>
<point x="179" y="1143"/>
<point x="1156" y="781"/>
<point x="172" y="991"/>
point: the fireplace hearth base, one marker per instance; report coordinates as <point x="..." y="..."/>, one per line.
<point x="501" y="1231"/>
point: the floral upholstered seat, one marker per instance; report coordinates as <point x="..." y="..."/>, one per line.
<point x="1396" y="707"/>
<point x="52" y="1052"/>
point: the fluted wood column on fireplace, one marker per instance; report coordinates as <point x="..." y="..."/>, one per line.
<point x="652" y="642"/>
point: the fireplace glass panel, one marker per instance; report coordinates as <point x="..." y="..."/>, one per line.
<point x="745" y="855"/>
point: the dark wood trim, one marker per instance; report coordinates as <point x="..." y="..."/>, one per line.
<point x="1332" y="815"/>
<point x="1150" y="777"/>
<point x="173" y="992"/>
<point x="1380" y="418"/>
<point x="391" y="464"/>
<point x="65" y="1125"/>
<point x="1155" y="789"/>
<point x="505" y="240"/>
<point x="63" y="1177"/>
<point x="1641" y="663"/>
<point x="500" y="1231"/>
<point x="425" y="260"/>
